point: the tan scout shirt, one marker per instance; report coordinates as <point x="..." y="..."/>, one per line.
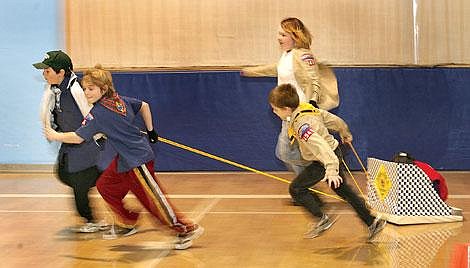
<point x="310" y="127"/>
<point x="317" y="81"/>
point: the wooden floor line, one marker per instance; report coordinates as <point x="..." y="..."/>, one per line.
<point x="186" y="212"/>
<point x="338" y="212"/>
<point x="206" y="209"/>
<point x="179" y="196"/>
<point x="185" y="196"/>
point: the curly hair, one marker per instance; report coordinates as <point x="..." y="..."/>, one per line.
<point x="101" y="78"/>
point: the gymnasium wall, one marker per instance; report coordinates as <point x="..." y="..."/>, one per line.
<point x="423" y="111"/>
<point x="28" y="28"/>
<point x="208" y="33"/>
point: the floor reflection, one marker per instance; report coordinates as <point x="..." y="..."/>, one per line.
<point x="415" y="245"/>
<point x="396" y="246"/>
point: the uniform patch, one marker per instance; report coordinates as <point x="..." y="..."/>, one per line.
<point x="305" y="131"/>
<point x="120" y="107"/>
<point x="87" y="118"/>
<point x="308" y="58"/>
<point x="115" y="104"/>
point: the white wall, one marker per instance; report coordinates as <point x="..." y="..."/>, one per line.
<point x="28" y="29"/>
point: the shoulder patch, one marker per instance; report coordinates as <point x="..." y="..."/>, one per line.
<point x="308" y="58"/>
<point x="305" y="131"/>
<point x="87" y="118"/>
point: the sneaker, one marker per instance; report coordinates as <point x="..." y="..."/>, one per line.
<point x="117" y="231"/>
<point x="191" y="235"/>
<point x="376" y="227"/>
<point x="324" y="224"/>
<point x="89" y="227"/>
<point x="182" y="245"/>
<point x="103" y="226"/>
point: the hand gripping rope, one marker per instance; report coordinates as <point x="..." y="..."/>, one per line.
<point x="196" y="151"/>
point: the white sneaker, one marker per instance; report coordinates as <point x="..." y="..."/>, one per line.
<point x="103" y="225"/>
<point x="92" y="227"/>
<point x="88" y="227"/>
<point x="117" y="231"/>
<point x="182" y="245"/>
<point x="194" y="234"/>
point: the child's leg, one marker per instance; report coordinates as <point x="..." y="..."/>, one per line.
<point x="375" y="225"/>
<point x="147" y="189"/>
<point x="355" y="201"/>
<point x="113" y="187"/>
<point x="75" y="180"/>
<point x="350" y="196"/>
<point x="299" y="191"/>
<point x="82" y="182"/>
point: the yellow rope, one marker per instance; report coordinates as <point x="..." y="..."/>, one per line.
<point x="196" y="151"/>
<point x="359" y="160"/>
<point x="355" y="182"/>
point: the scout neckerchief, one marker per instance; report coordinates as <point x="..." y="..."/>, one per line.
<point x="58" y="89"/>
<point x="305" y="109"/>
<point x="115" y="104"/>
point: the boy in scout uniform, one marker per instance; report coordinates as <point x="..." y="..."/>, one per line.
<point x="310" y="126"/>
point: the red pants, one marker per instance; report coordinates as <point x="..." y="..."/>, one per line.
<point x="141" y="181"/>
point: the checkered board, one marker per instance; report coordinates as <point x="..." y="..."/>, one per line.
<point x="404" y="193"/>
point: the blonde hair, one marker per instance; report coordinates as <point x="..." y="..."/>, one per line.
<point x="101" y="78"/>
<point x="297" y="30"/>
<point x="284" y="95"/>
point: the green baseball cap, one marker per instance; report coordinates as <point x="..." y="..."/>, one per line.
<point x="57" y="60"/>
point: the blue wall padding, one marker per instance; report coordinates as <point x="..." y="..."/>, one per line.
<point x="423" y="111"/>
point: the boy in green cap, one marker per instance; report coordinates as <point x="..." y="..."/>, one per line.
<point x="63" y="108"/>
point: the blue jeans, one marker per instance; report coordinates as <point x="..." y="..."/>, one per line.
<point x="290" y="153"/>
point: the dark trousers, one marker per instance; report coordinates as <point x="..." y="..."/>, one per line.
<point x="80" y="182"/>
<point x="314" y="173"/>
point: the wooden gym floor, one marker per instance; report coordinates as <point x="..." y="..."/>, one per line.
<point x="248" y="221"/>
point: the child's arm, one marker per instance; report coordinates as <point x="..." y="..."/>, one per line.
<point x="261" y="70"/>
<point x="335" y="123"/>
<point x="147" y="116"/>
<point x="322" y="151"/>
<point x="47" y="104"/>
<point x="315" y="147"/>
<point x="66" y="137"/>
<point x="306" y="74"/>
<point x="330" y="161"/>
<point x="80" y="99"/>
<point x="333" y="180"/>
